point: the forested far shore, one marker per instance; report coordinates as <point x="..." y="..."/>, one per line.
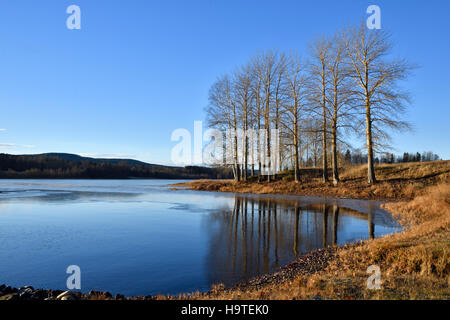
<point x="65" y="166"/>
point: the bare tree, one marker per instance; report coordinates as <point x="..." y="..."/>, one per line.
<point x="265" y="66"/>
<point x="347" y="83"/>
<point x="222" y="114"/>
<point x="243" y="96"/>
<point x="376" y="86"/>
<point x="339" y="97"/>
<point x="257" y="114"/>
<point x="294" y="83"/>
<point x="279" y="97"/>
<point x="318" y="90"/>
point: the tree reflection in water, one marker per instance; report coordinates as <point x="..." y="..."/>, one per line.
<point x="259" y="235"/>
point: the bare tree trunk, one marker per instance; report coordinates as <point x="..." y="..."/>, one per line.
<point x="370" y="167"/>
<point x="267" y="125"/>
<point x="296" y="155"/>
<point x="280" y="157"/>
<point x="315" y="154"/>
<point x="334" y="153"/>
<point x="258" y="146"/>
<point x="324" y="150"/>
<point x="334" y="159"/>
<point x="236" y="160"/>
<point x="245" y="165"/>
<point x="246" y="105"/>
<point x="246" y="158"/>
<point x="324" y="130"/>
<point x="319" y="76"/>
<point x="277" y="117"/>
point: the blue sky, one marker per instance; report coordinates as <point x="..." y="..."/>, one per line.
<point x="137" y="70"/>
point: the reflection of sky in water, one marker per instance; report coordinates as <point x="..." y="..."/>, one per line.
<point x="141" y="237"/>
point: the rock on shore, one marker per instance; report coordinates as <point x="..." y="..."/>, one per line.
<point x="28" y="293"/>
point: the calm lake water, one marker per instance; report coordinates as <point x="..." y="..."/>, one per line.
<point x="139" y="237"/>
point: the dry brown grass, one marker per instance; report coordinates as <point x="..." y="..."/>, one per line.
<point x="409" y="170"/>
<point x="395" y="181"/>
<point x="434" y="204"/>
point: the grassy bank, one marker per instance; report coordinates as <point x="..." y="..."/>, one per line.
<point x="414" y="263"/>
<point x="395" y="182"/>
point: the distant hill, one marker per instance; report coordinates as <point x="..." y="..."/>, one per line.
<point x="76" y="157"/>
<point x="73" y="166"/>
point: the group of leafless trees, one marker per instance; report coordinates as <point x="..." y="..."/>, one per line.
<point x="345" y="83"/>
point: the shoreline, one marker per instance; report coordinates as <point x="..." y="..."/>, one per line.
<point x="306" y="265"/>
<point x="396" y="182"/>
<point x="415" y="262"/>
